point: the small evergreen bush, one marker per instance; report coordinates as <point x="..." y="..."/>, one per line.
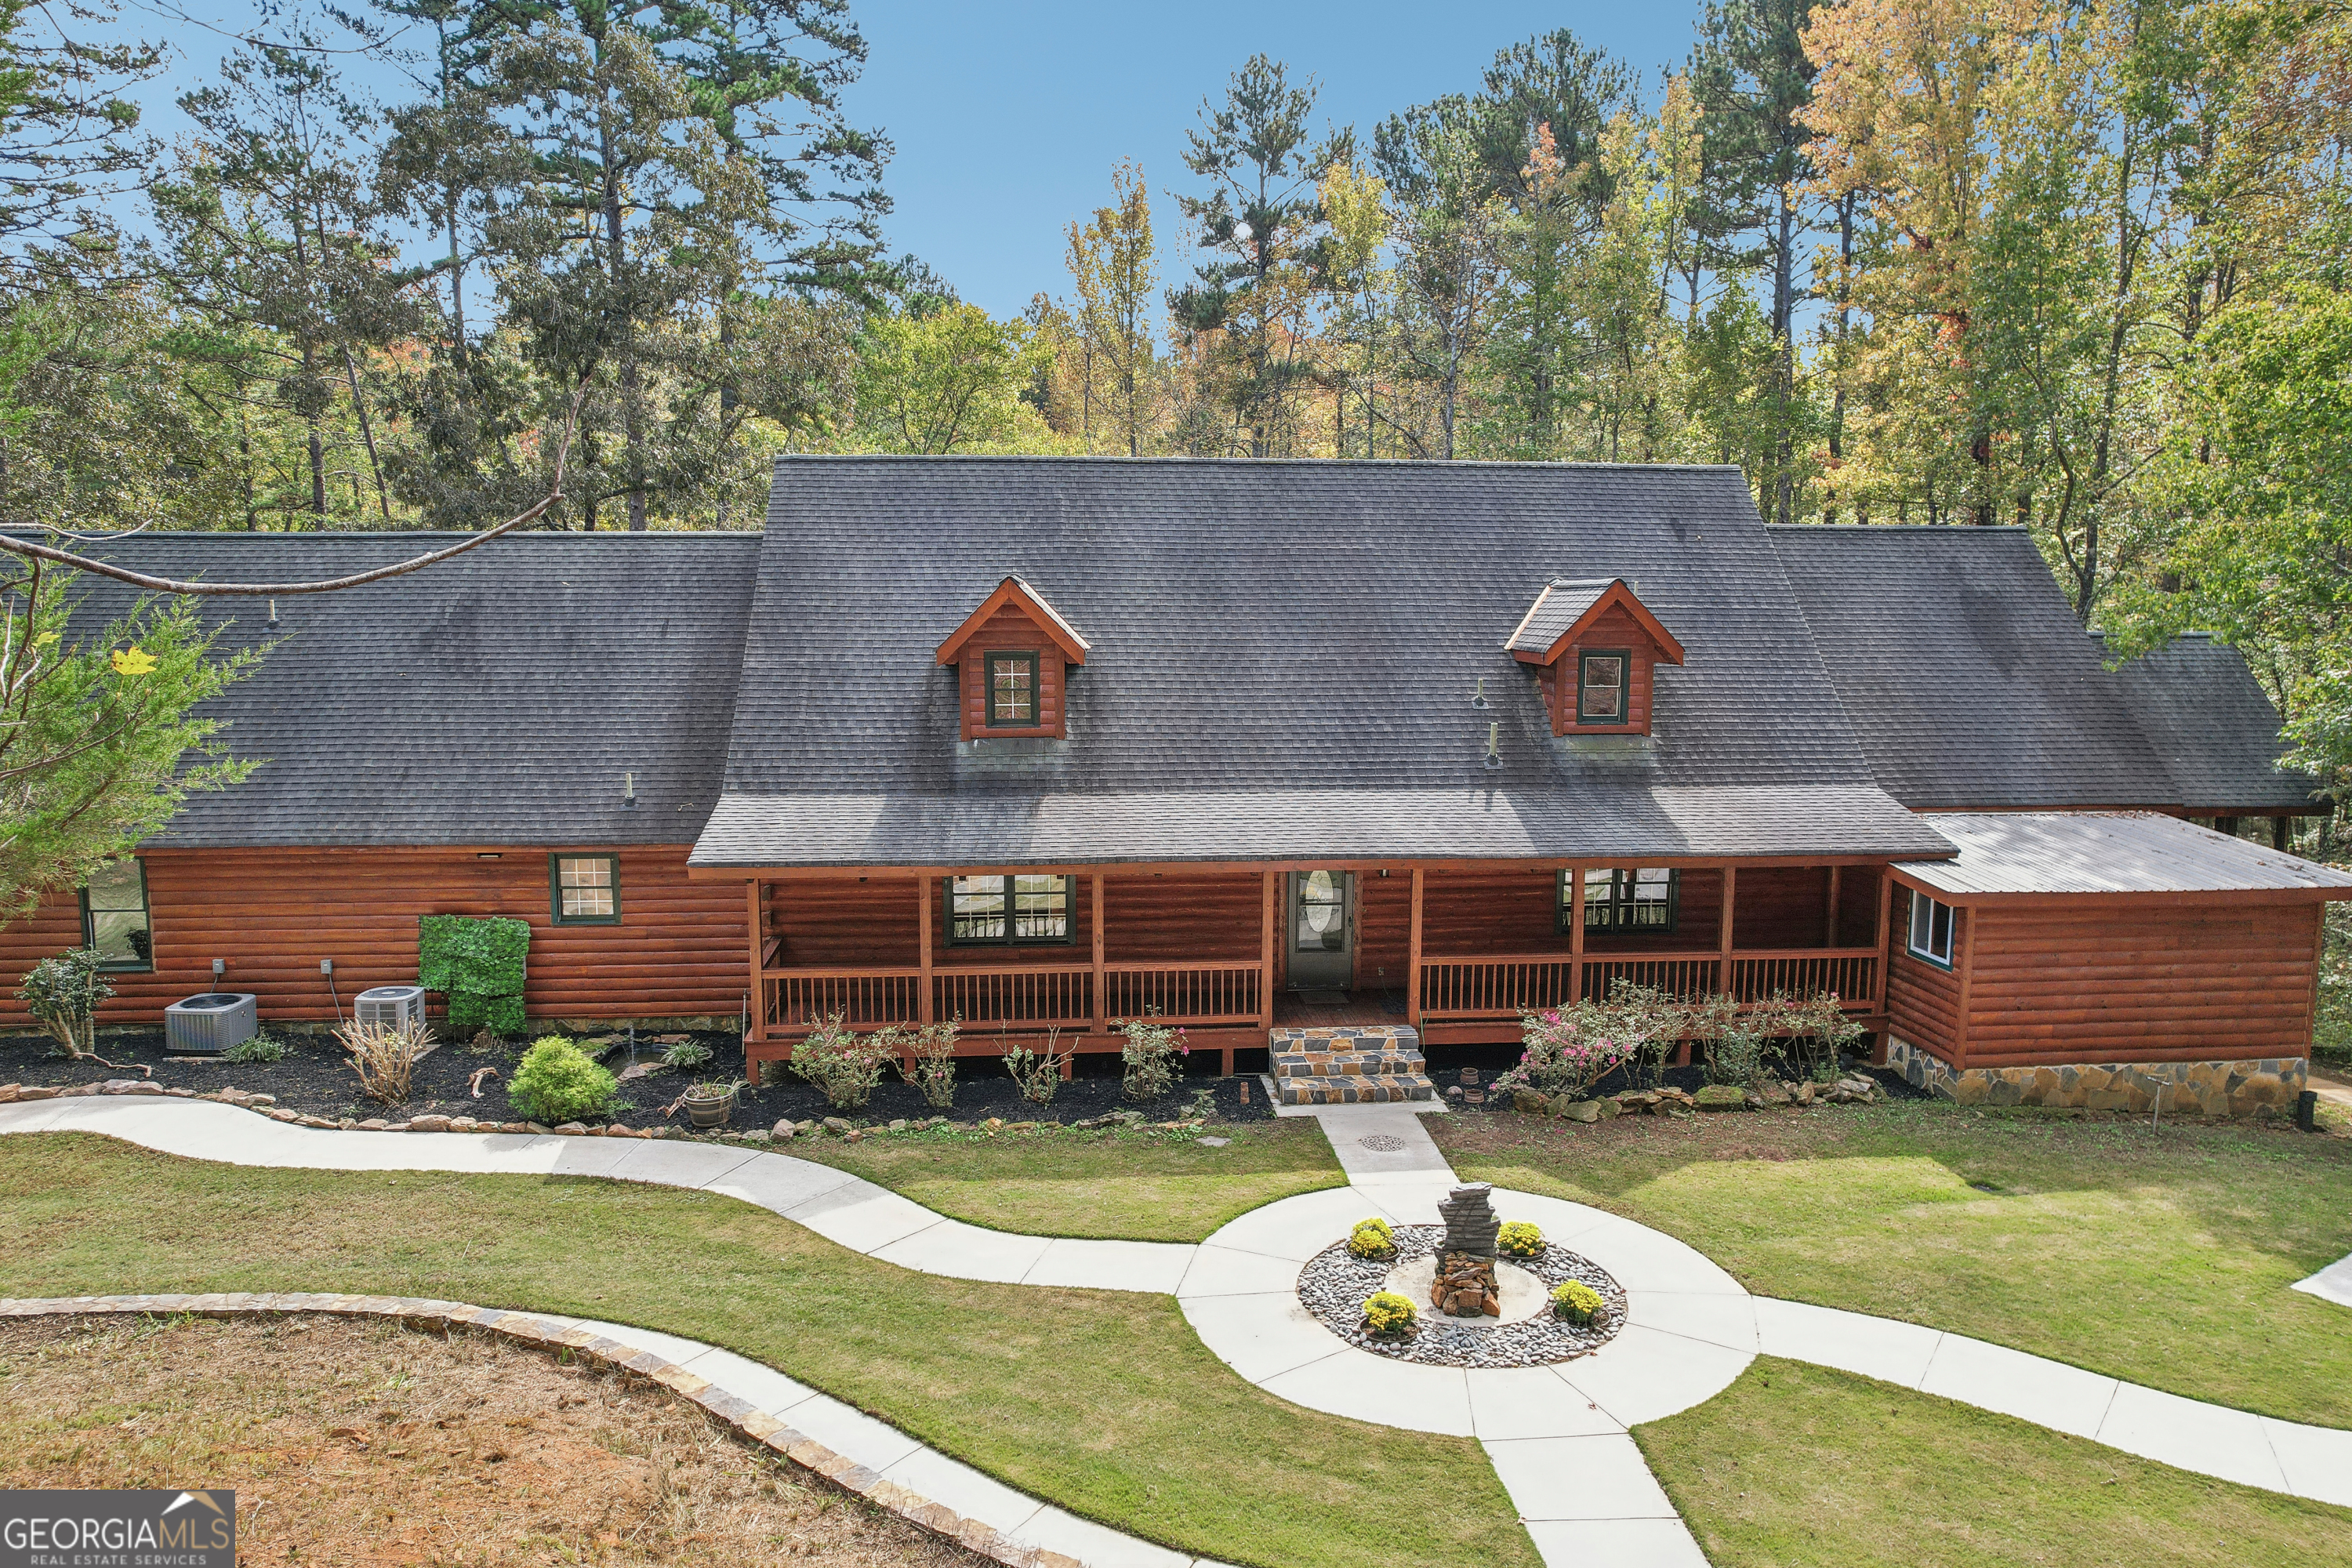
<point x="63" y="993"/>
<point x="556" y="1082"/>
<point x="1576" y="1301"/>
<point x="1386" y="1312"/>
<point x="1371" y="1238"/>
<point x="1517" y="1238"/>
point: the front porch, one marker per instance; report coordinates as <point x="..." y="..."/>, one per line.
<point x="1458" y="950"/>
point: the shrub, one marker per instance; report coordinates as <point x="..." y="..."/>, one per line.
<point x="686" y="1054"/>
<point x="843" y="1064"/>
<point x="63" y="993"/>
<point x="556" y="1082"/>
<point x="384" y="1057"/>
<point x="1567" y="1050"/>
<point x="1576" y="1301"/>
<point x="1150" y="1054"/>
<point x="1517" y="1238"/>
<point x="1038" y="1076"/>
<point x="259" y="1048"/>
<point x="1386" y="1312"/>
<point x="926" y="1060"/>
<point x="708" y="1090"/>
<point x="1371" y="1238"/>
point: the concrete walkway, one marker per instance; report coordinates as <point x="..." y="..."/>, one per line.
<point x="1557" y="1435"/>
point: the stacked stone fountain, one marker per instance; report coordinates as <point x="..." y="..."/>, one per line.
<point x="1464" y="1286"/>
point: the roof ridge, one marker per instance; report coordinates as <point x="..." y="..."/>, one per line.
<point x="1508" y="464"/>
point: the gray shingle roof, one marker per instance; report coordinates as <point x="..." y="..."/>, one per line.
<point x="2216" y="732"/>
<point x="494" y="699"/>
<point x="1966" y="676"/>
<point x="1283" y="660"/>
<point x="2111" y="852"/>
<point x="1554" y="611"/>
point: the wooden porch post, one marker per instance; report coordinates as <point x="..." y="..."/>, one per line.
<point x="1575" y="875"/>
<point x="1412" y="957"/>
<point x="924" y="1004"/>
<point x="1830" y="922"/>
<point x="1723" y="947"/>
<point x="1100" y="1027"/>
<point x="758" y="1020"/>
<point x="1886" y="961"/>
<point x="1264" y="968"/>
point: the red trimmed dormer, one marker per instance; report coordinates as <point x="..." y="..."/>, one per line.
<point x="1593" y="644"/>
<point x="1011" y="658"/>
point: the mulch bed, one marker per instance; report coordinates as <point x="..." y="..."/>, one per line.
<point x="1335" y="1283"/>
<point x="1690" y="1080"/>
<point x="313" y="1080"/>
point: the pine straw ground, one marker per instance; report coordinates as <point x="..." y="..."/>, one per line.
<point x="372" y="1444"/>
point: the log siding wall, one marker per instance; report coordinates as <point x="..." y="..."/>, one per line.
<point x="1010" y="630"/>
<point x="2139" y="983"/>
<point x="272" y="914"/>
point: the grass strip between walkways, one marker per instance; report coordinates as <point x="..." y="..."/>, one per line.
<point x="2158" y="1254"/>
<point x="1800" y="1466"/>
<point x="1103" y="1402"/>
<point x="1144" y="1186"/>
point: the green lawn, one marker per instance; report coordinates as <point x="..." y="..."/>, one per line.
<point x="1105" y="1403"/>
<point x="2161" y="1255"/>
<point x="1798" y="1465"/>
<point x="1133" y="1187"/>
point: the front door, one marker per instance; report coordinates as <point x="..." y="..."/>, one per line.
<point x="1322" y="937"/>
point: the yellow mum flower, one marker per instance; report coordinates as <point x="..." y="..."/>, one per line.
<point x="133" y="661"/>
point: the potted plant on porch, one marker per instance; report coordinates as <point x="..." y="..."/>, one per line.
<point x="708" y="1104"/>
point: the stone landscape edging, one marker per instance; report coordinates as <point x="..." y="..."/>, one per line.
<point x="740" y="1416"/>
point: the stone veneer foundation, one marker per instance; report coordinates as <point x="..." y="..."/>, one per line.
<point x="2189" y="1089"/>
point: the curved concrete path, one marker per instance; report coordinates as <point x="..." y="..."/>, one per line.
<point x="1557" y="1435"/>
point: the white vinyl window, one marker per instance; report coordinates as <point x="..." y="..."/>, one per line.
<point x="1931" y="930"/>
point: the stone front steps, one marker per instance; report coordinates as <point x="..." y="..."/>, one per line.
<point x="1359" y="1065"/>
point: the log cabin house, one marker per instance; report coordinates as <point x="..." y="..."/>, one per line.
<point x="1043" y="743"/>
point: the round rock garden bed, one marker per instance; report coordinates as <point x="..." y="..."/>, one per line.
<point x="1334" y="1282"/>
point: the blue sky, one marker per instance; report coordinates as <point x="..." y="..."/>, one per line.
<point x="1009" y="117"/>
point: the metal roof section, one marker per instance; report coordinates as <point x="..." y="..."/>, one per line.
<point x="2110" y="852"/>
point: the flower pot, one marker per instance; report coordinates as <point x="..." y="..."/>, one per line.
<point x="711" y="1113"/>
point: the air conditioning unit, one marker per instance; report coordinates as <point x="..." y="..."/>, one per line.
<point x="209" y="1024"/>
<point x="397" y="1006"/>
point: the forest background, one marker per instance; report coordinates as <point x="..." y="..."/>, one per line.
<point x="2076" y="265"/>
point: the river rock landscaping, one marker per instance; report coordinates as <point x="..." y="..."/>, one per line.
<point x="1334" y="1284"/>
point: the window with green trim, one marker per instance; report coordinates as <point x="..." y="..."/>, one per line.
<point x="1013" y="690"/>
<point x="114" y="915"/>
<point x="1016" y="907"/>
<point x="1601" y="683"/>
<point x="1645" y="900"/>
<point x="584" y="890"/>
<point x="1930" y="935"/>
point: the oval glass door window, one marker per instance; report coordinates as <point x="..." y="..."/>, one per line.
<point x="1322" y="911"/>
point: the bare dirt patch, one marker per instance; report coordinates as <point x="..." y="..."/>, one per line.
<point x="372" y="1444"/>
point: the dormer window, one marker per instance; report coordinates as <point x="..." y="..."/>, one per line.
<point x="1012" y="656"/>
<point x="1593" y="644"/>
<point x="1011" y="690"/>
<point x="1600" y="686"/>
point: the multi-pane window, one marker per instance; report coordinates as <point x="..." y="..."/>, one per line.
<point x="1012" y="689"/>
<point x="1931" y="929"/>
<point x="1636" y="900"/>
<point x="1600" y="687"/>
<point x="114" y="915"/>
<point x="1021" y="907"/>
<point x="587" y="889"/>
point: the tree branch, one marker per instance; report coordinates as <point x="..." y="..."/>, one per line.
<point x="327" y="586"/>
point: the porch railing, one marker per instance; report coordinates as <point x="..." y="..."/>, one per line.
<point x="1463" y="990"/>
<point x="1035" y="996"/>
<point x="1182" y="993"/>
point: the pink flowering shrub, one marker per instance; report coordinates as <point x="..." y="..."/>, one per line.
<point x="1567" y="1050"/>
<point x="1151" y="1056"/>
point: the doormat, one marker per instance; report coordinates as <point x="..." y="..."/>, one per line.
<point x="1324" y="998"/>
